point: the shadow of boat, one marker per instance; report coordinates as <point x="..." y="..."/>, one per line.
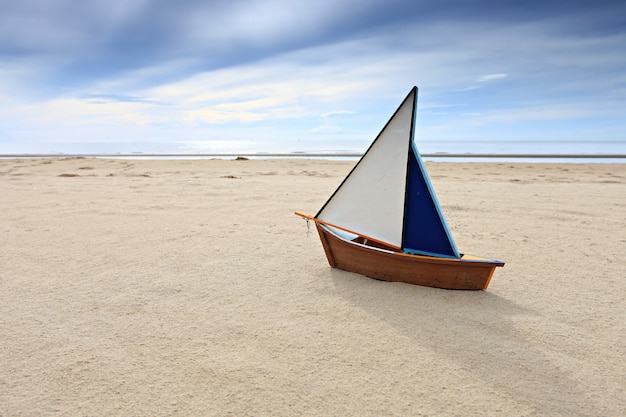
<point x="480" y="332"/>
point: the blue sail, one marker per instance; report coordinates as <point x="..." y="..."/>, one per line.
<point x="425" y="231"/>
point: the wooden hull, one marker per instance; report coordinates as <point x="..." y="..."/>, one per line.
<point x="388" y="264"/>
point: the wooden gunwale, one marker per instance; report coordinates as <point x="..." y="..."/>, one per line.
<point x="319" y="221"/>
<point x="473" y="273"/>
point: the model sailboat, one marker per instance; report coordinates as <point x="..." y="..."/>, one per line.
<point x="384" y="220"/>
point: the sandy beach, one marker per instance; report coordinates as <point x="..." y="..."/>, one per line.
<point x="188" y="287"/>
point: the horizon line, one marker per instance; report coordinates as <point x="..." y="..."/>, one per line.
<point x="305" y="155"/>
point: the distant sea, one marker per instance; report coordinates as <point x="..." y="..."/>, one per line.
<point x="606" y="151"/>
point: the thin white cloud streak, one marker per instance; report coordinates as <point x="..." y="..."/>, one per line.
<point x="336" y="113"/>
<point x="490" y="77"/>
<point x="328" y="126"/>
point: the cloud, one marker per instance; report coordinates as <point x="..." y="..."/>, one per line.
<point x="335" y="113"/>
<point x="94" y="98"/>
<point x="490" y="77"/>
<point x="328" y="126"/>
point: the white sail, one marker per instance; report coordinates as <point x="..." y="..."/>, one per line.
<point x="370" y="201"/>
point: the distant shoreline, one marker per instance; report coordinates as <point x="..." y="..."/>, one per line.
<point x="308" y="155"/>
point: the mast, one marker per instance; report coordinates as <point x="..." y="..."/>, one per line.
<point x="424" y="227"/>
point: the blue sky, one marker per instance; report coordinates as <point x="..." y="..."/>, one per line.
<point x="309" y="75"/>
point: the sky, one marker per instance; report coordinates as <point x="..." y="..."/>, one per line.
<point x="207" y="76"/>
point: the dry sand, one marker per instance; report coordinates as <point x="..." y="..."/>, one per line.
<point x="153" y="288"/>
